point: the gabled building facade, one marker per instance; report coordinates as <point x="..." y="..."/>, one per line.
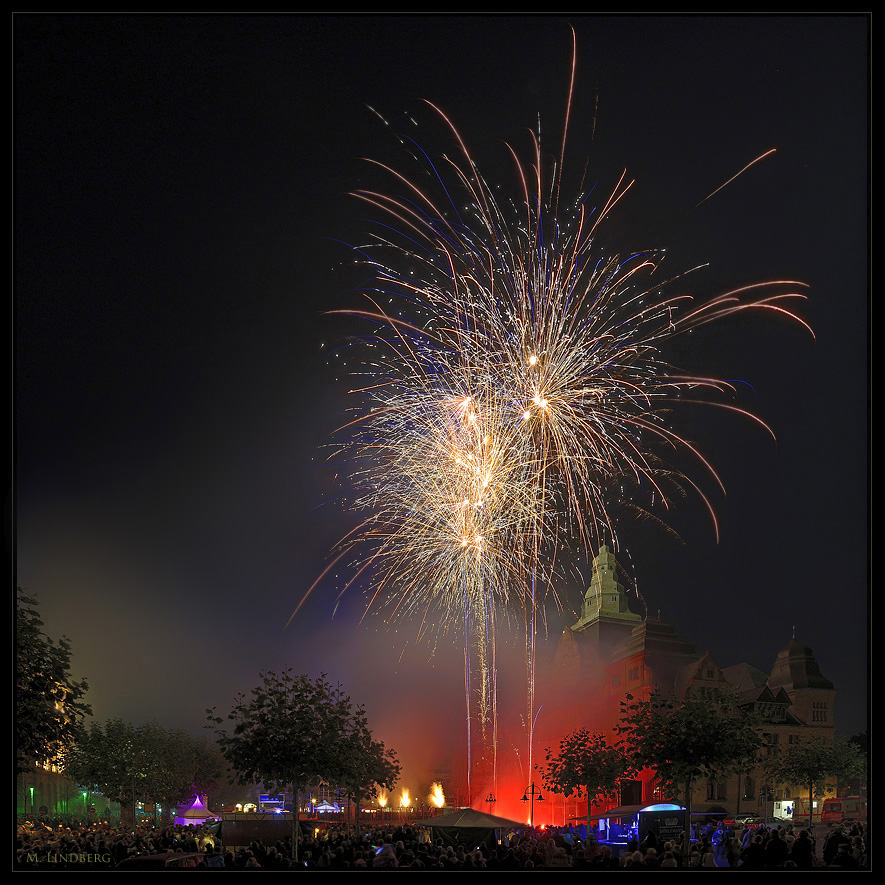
<point x="611" y="652"/>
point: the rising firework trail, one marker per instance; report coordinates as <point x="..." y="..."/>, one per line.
<point x="513" y="396"/>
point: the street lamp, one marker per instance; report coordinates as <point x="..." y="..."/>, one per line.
<point x="532" y="791"/>
<point x="491" y="800"/>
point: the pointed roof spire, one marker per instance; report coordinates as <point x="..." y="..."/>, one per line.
<point x="605" y="597"/>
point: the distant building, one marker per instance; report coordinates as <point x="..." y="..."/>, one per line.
<point x="45" y="792"/>
<point x="611" y="651"/>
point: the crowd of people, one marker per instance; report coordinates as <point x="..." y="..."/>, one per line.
<point x="52" y="844"/>
<point x="751" y="848"/>
<point x="96" y="845"/>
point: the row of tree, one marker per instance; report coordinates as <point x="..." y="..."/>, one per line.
<point x="291" y="733"/>
<point x="700" y="737"/>
<point x="145" y="763"/>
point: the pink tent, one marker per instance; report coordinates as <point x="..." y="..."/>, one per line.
<point x="194" y="815"/>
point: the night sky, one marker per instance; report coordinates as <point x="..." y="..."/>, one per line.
<point x="181" y="211"/>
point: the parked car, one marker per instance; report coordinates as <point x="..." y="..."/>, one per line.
<point x="744" y="819"/>
<point x="171" y="860"/>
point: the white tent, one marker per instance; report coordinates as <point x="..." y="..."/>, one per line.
<point x="194" y="815"/>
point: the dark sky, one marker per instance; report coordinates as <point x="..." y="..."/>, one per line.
<point x="181" y="204"/>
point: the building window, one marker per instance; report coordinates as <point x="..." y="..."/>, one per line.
<point x="717" y="790"/>
<point x="631" y="793"/>
<point x="748" y="788"/>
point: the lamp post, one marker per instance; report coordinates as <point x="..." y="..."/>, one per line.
<point x="765" y="794"/>
<point x="491" y="800"/>
<point x="530" y="793"/>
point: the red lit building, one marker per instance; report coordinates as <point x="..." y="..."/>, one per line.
<point x="611" y="651"/>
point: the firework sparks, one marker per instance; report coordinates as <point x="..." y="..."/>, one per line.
<point x="517" y="382"/>
<point x="513" y="387"/>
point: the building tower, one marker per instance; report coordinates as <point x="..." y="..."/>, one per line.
<point x="605" y="621"/>
<point x="605" y="614"/>
<point x="813" y="696"/>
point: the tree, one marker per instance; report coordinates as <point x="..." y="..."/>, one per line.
<point x="49" y="706"/>
<point x="814" y="761"/>
<point x="294" y="731"/>
<point x="586" y="765"/>
<point x="112" y="759"/>
<point x="699" y="736"/>
<point x="857" y="785"/>
<point x="370" y="766"/>
<point x="182" y="768"/>
<point x="129" y="763"/>
<point x="169" y="776"/>
<point x="209" y="767"/>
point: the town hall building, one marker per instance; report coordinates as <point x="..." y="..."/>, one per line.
<point x="611" y="651"/>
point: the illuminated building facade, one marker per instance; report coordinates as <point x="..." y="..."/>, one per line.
<point x="610" y="652"/>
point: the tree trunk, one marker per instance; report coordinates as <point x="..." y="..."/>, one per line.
<point x="589" y="817"/>
<point x="295" y="825"/>
<point x="127" y="814"/>
<point x="810" y="805"/>
<point x="686" y="841"/>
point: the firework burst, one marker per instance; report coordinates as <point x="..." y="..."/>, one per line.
<point x="518" y="381"/>
<point x="512" y="387"/>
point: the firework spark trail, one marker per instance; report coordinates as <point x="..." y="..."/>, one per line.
<point x="575" y="348"/>
<point x="443" y="494"/>
<point x="515" y="384"/>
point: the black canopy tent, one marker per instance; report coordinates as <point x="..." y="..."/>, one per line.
<point x="464" y="826"/>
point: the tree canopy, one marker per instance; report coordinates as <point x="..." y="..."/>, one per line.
<point x="294" y="731"/>
<point x="813" y="762"/>
<point x="588" y="765"/>
<point x="697" y="736"/>
<point x="49" y="705"/>
<point x="129" y="763"/>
